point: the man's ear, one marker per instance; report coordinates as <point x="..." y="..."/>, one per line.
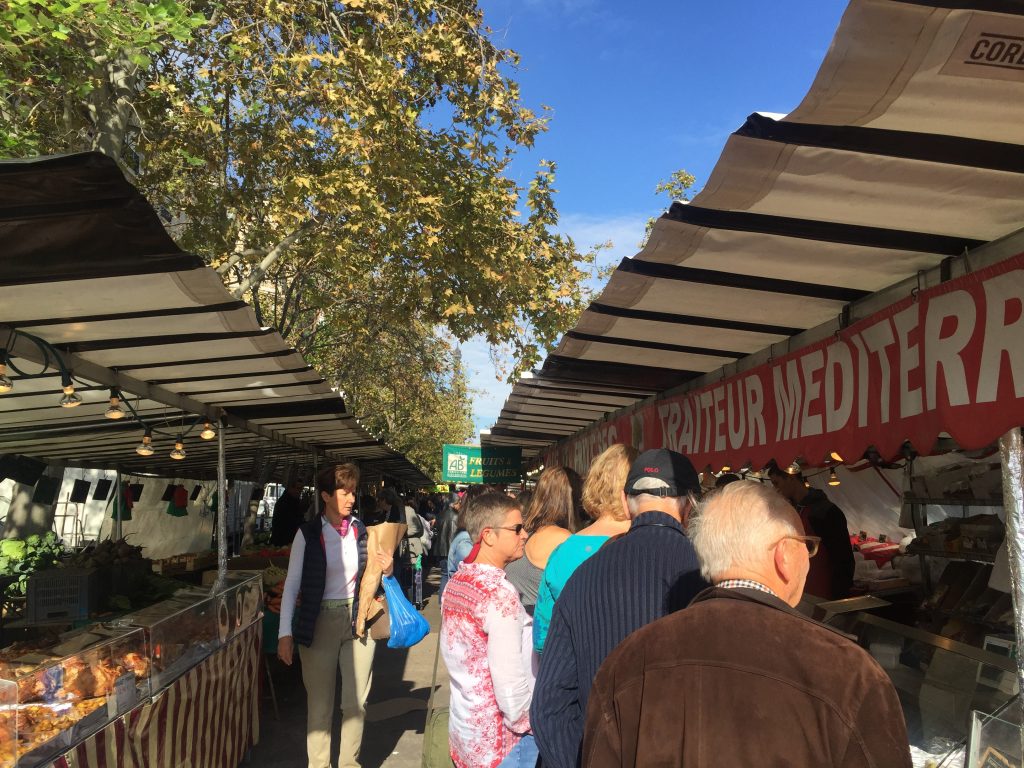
<point x="786" y="564"/>
<point x="685" y="512"/>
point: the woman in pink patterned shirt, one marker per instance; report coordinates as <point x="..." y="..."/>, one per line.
<point x="486" y="643"/>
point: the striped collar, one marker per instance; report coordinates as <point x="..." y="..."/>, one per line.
<point x="744" y="584"/>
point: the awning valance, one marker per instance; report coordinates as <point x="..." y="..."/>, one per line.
<point x="91" y="283"/>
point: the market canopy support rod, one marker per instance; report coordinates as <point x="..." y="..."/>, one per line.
<point x="1011" y="446"/>
<point x="222" y="512"/>
<point x="25" y="349"/>
<point x="316" y="489"/>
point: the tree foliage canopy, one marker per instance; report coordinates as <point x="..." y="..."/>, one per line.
<point x="344" y="165"/>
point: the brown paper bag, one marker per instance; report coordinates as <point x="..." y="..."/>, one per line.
<point x="384" y="537"/>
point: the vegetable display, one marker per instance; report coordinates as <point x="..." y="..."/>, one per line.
<point x="21" y="557"/>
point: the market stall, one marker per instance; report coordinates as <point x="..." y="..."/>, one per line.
<point x="845" y="297"/>
<point x="133" y="389"/>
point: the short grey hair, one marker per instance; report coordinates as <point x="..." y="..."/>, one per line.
<point x="488" y="510"/>
<point x="736" y="526"/>
<point x="635" y="501"/>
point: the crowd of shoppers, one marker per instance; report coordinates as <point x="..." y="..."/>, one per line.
<point x="663" y="633"/>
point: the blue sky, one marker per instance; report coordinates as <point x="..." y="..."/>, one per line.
<point x="639" y="90"/>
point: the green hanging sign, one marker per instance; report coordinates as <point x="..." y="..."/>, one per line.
<point x="477" y="464"/>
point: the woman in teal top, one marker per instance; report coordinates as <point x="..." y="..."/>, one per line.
<point x="605" y="502"/>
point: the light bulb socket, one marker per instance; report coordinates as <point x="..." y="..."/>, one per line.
<point x="70" y="399"/>
<point x="115" y="411"/>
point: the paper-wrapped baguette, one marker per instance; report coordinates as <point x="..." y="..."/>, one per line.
<point x="384" y="537"/>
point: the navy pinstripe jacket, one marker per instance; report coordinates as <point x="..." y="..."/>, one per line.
<point x="648" y="573"/>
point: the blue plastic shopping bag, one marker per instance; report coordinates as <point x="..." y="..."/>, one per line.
<point x="408" y="627"/>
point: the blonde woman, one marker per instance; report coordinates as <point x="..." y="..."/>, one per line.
<point x="604" y="501"/>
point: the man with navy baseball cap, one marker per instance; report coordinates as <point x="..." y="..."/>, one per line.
<point x="649" y="572"/>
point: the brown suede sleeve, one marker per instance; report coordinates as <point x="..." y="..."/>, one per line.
<point x="602" y="746"/>
<point x="879" y="734"/>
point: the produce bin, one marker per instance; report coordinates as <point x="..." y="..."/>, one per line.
<point x="67" y="594"/>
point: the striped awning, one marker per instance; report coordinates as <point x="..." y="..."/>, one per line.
<point x="93" y="290"/>
<point x="908" y="150"/>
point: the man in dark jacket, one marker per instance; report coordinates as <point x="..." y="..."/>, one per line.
<point x="446" y="527"/>
<point x="647" y="573"/>
<point x="289" y="514"/>
<point x="831" y="573"/>
<point x="740" y="677"/>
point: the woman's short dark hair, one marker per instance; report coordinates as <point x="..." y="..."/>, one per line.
<point x="488" y="510"/>
<point x="344" y="476"/>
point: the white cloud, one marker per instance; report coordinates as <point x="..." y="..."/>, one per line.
<point x="625" y="231"/>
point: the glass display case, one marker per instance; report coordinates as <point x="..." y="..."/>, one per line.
<point x="940" y="681"/>
<point x="996" y="739"/>
<point x="182" y="631"/>
<point x="65" y="692"/>
<point x="240" y="603"/>
<point x="8" y="721"/>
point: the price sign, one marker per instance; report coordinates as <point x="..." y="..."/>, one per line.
<point x="124" y="697"/>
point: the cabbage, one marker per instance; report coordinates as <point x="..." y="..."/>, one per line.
<point x="13" y="548"/>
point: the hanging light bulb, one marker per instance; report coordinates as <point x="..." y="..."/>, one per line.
<point x="836" y="457"/>
<point x="794" y="468"/>
<point x="727" y="468"/>
<point x="145" y="448"/>
<point x="208" y="432"/>
<point x="70" y="399"/>
<point x="179" y="450"/>
<point x="115" y="411"/>
<point x="833" y="478"/>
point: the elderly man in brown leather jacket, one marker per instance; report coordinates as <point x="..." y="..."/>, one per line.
<point x="739" y="677"/>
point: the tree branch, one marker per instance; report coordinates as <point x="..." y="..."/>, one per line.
<point x="268" y="261"/>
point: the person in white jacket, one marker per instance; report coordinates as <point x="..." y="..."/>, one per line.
<point x="486" y="642"/>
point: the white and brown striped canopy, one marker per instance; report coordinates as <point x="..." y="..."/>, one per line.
<point x="88" y="269"/>
<point x="907" y="151"/>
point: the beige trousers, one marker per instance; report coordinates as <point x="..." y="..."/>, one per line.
<point x="334" y="647"/>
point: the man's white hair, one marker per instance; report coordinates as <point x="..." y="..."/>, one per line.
<point x="635" y="501"/>
<point x="736" y="526"/>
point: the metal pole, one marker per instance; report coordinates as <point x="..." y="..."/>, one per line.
<point x="222" y="511"/>
<point x="1011" y="448"/>
<point x="316" y="491"/>
<point x="118" y="502"/>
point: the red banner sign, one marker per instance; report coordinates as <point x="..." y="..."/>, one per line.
<point x="950" y="359"/>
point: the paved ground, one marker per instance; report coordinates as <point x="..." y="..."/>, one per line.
<point x="396" y="710"/>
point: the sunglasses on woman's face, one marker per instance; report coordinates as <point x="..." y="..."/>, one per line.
<point x="516" y="529"/>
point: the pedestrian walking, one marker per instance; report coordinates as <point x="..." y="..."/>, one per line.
<point x="327" y="561"/>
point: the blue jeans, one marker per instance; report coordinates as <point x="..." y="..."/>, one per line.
<point x="523" y="755"/>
